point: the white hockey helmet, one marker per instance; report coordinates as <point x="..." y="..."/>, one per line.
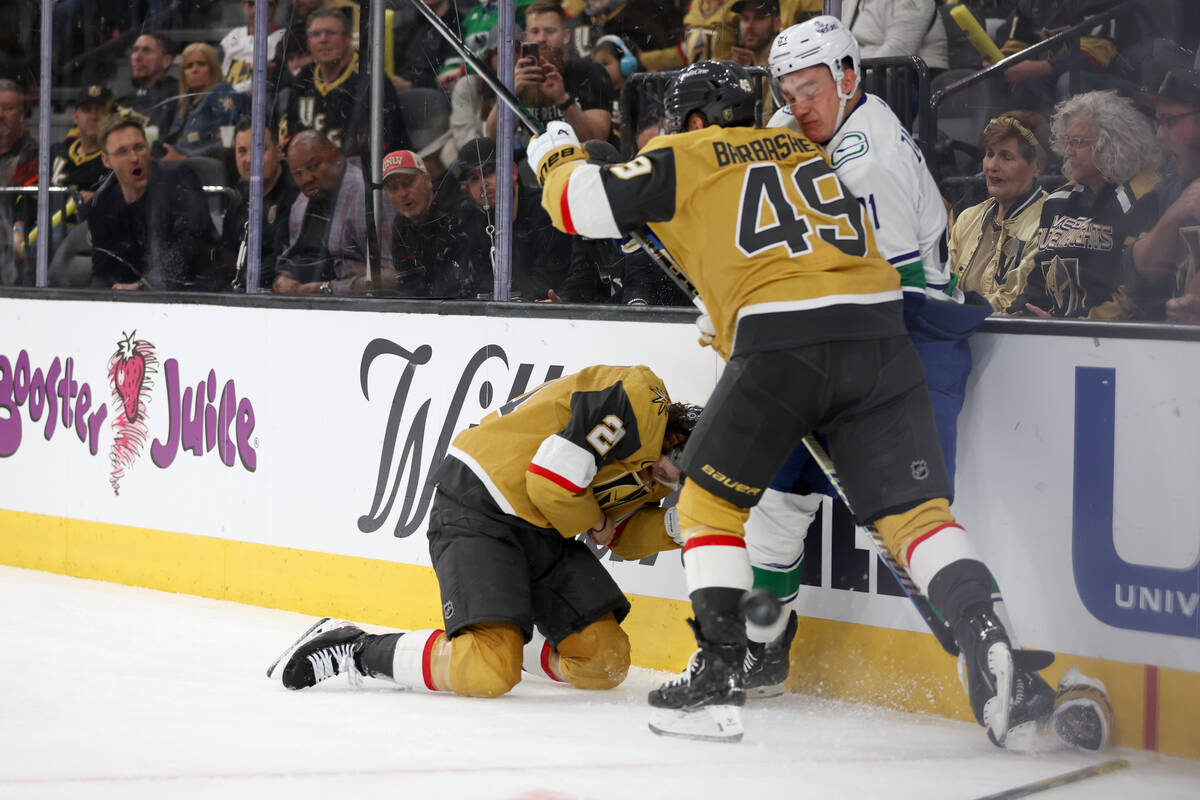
<point x="820" y="40"/>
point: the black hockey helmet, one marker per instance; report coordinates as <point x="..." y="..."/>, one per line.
<point x="681" y="419"/>
<point x="720" y="90"/>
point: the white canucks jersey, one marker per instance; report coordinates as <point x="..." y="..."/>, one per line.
<point x="878" y="161"/>
<point x="237" y="51"/>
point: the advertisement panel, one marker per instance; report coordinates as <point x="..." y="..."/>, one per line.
<point x="318" y="431"/>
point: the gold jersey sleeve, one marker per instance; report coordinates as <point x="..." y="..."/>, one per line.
<point x="779" y="250"/>
<point x="571" y="449"/>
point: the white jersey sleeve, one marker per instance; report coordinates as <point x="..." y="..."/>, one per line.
<point x="878" y="161"/>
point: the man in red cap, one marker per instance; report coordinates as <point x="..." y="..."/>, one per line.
<point x="431" y="250"/>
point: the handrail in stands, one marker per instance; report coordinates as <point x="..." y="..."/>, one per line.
<point x="1070" y="36"/>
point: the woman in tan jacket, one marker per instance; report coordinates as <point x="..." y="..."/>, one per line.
<point x="992" y="244"/>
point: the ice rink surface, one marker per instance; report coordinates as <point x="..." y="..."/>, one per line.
<point x="118" y="692"/>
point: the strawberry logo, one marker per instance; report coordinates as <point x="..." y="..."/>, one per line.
<point x="129" y="372"/>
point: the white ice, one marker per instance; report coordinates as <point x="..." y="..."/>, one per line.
<point x="117" y="692"/>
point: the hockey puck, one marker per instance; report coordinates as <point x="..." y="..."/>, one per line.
<point x="761" y="607"/>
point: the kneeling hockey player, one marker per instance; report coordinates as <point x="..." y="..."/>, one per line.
<point x="592" y="452"/>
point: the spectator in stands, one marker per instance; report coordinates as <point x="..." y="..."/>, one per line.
<point x="326" y="93"/>
<point x="427" y="59"/>
<point x="237" y="50"/>
<point x="295" y="41"/>
<point x="898" y="28"/>
<point x="1162" y="265"/>
<point x="472" y="100"/>
<point x="1109" y="158"/>
<point x="555" y="86"/>
<point x="327" y="250"/>
<point x="18" y="167"/>
<point x="279" y="193"/>
<point x="1034" y="83"/>
<point x="205" y="105"/>
<point x="431" y="252"/>
<point x="758" y="24"/>
<point x="152" y="88"/>
<point x="75" y="162"/>
<point x="993" y="244"/>
<point x="540" y="254"/>
<point x="645" y="26"/>
<point x="150" y="227"/>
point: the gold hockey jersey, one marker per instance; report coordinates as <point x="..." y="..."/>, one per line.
<point x="780" y="252"/>
<point x="570" y="449"/>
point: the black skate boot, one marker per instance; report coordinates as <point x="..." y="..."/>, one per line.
<point x="1032" y="700"/>
<point x="766" y="665"/>
<point x="704" y="701"/>
<point x="986" y="669"/>
<point x="328" y="648"/>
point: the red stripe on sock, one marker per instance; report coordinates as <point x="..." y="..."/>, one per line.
<point x="565" y="208"/>
<point x="908" y="553"/>
<point x="426" y="657"/>
<point x="555" y="478"/>
<point x="715" y="540"/>
<point x="546" y="650"/>
<point x="1150" y="710"/>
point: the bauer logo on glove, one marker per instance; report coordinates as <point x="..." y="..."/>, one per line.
<point x="556" y="146"/>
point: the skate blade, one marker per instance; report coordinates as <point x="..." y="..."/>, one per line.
<point x="766" y="692"/>
<point x="707" y="724"/>
<point x="318" y="627"/>
<point x="996" y="710"/>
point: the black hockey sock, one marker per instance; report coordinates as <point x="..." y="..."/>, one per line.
<point x="959" y="586"/>
<point x="719" y="614"/>
<point x="374" y="658"/>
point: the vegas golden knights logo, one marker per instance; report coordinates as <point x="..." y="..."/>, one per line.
<point x="1063" y="286"/>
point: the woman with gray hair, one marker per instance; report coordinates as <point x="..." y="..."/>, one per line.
<point x="1110" y="158"/>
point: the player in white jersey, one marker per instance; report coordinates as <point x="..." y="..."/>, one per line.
<point x="815" y="71"/>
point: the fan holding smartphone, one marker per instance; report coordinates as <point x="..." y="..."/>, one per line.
<point x="553" y="86"/>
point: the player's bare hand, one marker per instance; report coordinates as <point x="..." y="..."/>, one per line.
<point x="1184" y="310"/>
<point x="603" y="536"/>
<point x="551" y="297"/>
<point x="400" y="84"/>
<point x="742" y="56"/>
<point x="172" y="155"/>
<point x="1038" y="312"/>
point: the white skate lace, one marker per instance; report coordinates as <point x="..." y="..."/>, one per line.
<point x="324" y="666"/>
<point x="686" y="675"/>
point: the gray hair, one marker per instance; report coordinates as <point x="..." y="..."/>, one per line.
<point x="1125" y="144"/>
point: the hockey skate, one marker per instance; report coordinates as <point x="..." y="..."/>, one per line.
<point x="766" y="665"/>
<point x="1032" y="700"/>
<point x="986" y="669"/>
<point x="326" y="649"/>
<point x="1083" y="716"/>
<point x="705" y="701"/>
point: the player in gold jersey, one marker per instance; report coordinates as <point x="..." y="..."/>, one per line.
<point x="586" y="453"/>
<point x="809" y="318"/>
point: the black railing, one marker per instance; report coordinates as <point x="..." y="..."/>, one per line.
<point x="1070" y="37"/>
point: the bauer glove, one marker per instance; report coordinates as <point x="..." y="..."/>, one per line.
<point x="555" y="147"/>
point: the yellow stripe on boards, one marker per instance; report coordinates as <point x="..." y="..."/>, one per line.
<point x="895" y="669"/>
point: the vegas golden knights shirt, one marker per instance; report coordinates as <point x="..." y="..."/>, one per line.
<point x="779" y="250"/>
<point x="569" y="449"/>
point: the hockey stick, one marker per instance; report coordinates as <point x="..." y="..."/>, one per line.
<point x="1060" y="780"/>
<point x="667" y="263"/>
